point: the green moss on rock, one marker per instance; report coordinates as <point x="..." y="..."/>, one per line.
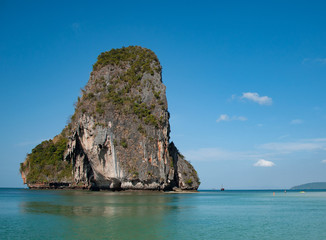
<point x="45" y="162"/>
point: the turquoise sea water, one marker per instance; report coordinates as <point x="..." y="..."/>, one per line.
<point x="65" y="214"/>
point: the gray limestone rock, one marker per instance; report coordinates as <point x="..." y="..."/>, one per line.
<point x="119" y="136"/>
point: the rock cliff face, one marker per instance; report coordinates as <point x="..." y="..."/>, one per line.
<point x="118" y="137"/>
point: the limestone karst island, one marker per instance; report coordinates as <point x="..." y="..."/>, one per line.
<point x="119" y="136"/>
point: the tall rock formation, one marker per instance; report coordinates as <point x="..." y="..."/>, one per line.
<point x="118" y="137"/>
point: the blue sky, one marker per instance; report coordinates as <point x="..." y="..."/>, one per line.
<point x="245" y="80"/>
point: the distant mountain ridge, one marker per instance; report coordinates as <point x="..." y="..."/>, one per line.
<point x="311" y="186"/>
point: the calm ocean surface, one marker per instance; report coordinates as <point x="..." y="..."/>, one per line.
<point x="65" y="214"/>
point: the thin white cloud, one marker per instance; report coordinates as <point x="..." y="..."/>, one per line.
<point x="296" y="121"/>
<point x="232" y="98"/>
<point x="317" y="140"/>
<point x="264" y="163"/>
<point x="209" y="154"/>
<point x="223" y="118"/>
<point x="323" y="161"/>
<point x="303" y="145"/>
<point x="306" y="60"/>
<point x="271" y="151"/>
<point x="253" y="96"/>
<point x="219" y="154"/>
<point x="284" y="136"/>
<point x="241" y="118"/>
<point x="314" y="60"/>
<point x="321" y="60"/>
<point x="227" y="118"/>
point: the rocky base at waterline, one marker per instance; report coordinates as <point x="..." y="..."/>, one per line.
<point x="54" y="185"/>
<point x="119" y="135"/>
<point x="73" y="186"/>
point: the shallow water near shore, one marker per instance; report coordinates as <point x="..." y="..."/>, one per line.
<point x="69" y="214"/>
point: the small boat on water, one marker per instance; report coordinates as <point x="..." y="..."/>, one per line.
<point x="222" y="188"/>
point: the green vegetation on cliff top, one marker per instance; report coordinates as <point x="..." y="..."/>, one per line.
<point x="135" y="54"/>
